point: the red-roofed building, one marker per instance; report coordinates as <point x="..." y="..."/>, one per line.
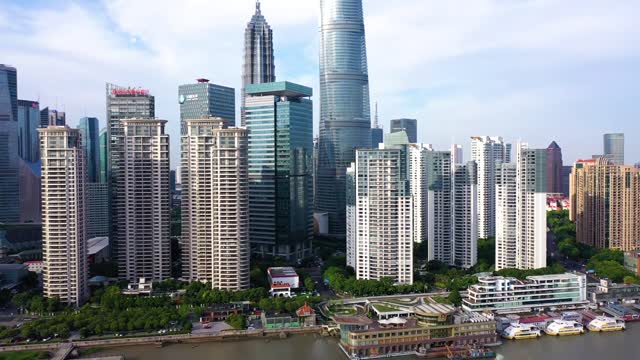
<point x="307" y="315"/>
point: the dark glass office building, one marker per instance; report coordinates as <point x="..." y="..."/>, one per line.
<point x="204" y="100"/>
<point x="89" y="129"/>
<point x="28" y="123"/>
<point x="280" y="123"/>
<point x="9" y="158"/>
<point x="50" y="117"/>
<point x="410" y="126"/>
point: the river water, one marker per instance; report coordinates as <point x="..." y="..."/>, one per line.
<point x="591" y="346"/>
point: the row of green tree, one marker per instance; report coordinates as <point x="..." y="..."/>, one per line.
<point x="341" y="281"/>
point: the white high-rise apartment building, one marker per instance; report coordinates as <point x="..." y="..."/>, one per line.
<point x="465" y="215"/>
<point x="215" y="201"/>
<point x="487" y="152"/>
<point x="382" y="215"/>
<point x="142" y="200"/>
<point x="522" y="221"/>
<point x="506" y="219"/>
<point x="439" y="207"/>
<point x="419" y="190"/>
<point x="64" y="242"/>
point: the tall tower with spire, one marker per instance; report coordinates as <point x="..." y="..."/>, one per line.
<point x="377" y="133"/>
<point x="345" y="119"/>
<point x="259" y="66"/>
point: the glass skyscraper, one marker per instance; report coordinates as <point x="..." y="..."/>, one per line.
<point x="280" y="124"/>
<point x="103" y="155"/>
<point x="259" y="66"/>
<point x="410" y="126"/>
<point x="89" y="129"/>
<point x="614" y="148"/>
<point x="345" y="121"/>
<point x="9" y="174"/>
<point x="28" y="123"/>
<point x="204" y="100"/>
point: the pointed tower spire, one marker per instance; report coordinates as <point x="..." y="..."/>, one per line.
<point x="257" y="7"/>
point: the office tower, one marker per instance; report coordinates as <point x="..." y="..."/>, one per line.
<point x="215" y="202"/>
<point x="506" y="194"/>
<point x="124" y="103"/>
<point x="487" y="152"/>
<point x="377" y="133"/>
<point x="141" y="203"/>
<point x="64" y="241"/>
<point x="440" y="231"/>
<point x="410" y="126"/>
<point x="382" y="219"/>
<point x="566" y="180"/>
<point x="529" y="216"/>
<point x="97" y="195"/>
<point x="279" y="117"/>
<point x="204" y="99"/>
<point x="345" y="121"/>
<point x="89" y="129"/>
<point x="51" y="117"/>
<point x="605" y="203"/>
<point x="457" y="155"/>
<point x="30" y="194"/>
<point x="465" y="214"/>
<point x="9" y="159"/>
<point x="259" y="65"/>
<point x="554" y="169"/>
<point x="28" y="123"/>
<point x="614" y="148"/>
<point x="103" y="139"/>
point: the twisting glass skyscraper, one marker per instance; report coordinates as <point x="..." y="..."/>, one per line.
<point x="345" y="122"/>
<point x="258" y="66"/>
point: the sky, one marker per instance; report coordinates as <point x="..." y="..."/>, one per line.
<point x="528" y="70"/>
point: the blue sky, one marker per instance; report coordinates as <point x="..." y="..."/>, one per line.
<point x="530" y="70"/>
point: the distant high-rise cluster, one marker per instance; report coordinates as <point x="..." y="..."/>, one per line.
<point x="262" y="189"/>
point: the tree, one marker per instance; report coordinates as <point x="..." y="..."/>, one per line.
<point x="455" y="298"/>
<point x="309" y="284"/>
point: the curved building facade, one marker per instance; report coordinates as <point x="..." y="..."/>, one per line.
<point x="345" y="121"/>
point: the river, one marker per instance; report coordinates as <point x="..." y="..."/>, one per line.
<point x="591" y="346"/>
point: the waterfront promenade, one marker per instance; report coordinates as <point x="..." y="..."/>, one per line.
<point x="66" y="347"/>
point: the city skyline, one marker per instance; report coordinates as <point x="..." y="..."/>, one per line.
<point x="498" y="84"/>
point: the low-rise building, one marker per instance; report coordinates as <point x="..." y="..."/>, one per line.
<point x="306" y="315"/>
<point x="34" y="266"/>
<point x="632" y="261"/>
<point x="500" y="294"/>
<point x="279" y="321"/>
<point x="282" y="280"/>
<point x="434" y="329"/>
<point x="608" y="291"/>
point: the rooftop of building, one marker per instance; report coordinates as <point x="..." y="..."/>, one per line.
<point x="281" y="88"/>
<point x="434" y="309"/>
<point x="352" y="320"/>
<point x="97" y="244"/>
<point x="276" y="272"/>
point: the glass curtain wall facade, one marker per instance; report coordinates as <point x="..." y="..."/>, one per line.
<point x="614" y="148"/>
<point x="345" y="121"/>
<point x="280" y="123"/>
<point x="9" y="174"/>
<point x="89" y="128"/>
<point x="203" y="100"/>
<point x="28" y="122"/>
<point x="259" y="66"/>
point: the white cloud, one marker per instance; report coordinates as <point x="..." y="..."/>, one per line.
<point x="447" y="62"/>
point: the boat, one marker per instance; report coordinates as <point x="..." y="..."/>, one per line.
<point x="563" y="328"/>
<point x="472" y="353"/>
<point x="603" y="323"/>
<point x="521" y="331"/>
